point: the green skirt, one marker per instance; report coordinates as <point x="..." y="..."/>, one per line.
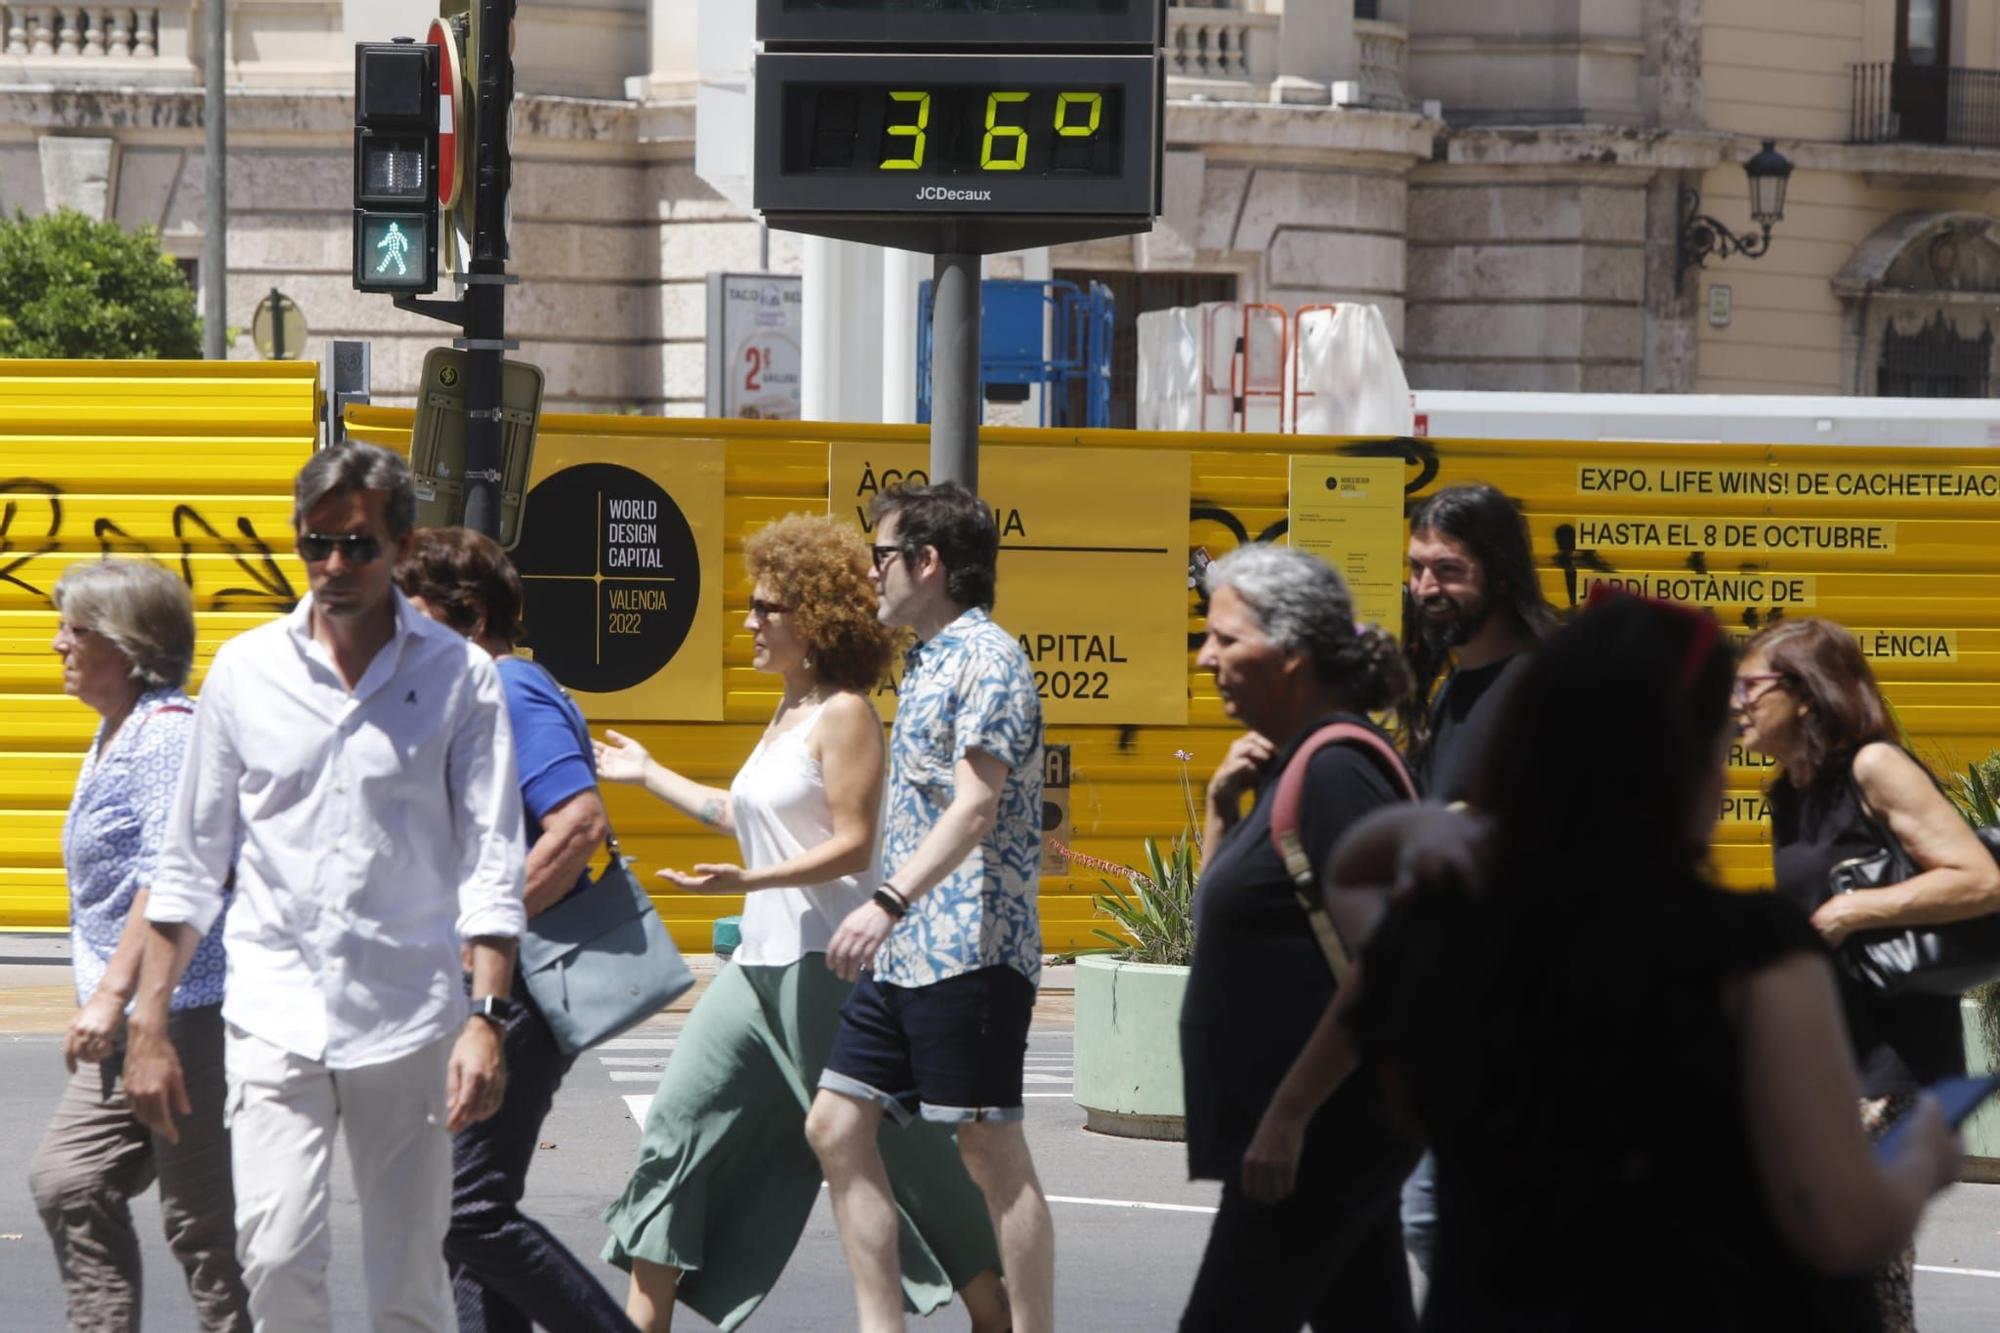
<point x="726" y="1180"/>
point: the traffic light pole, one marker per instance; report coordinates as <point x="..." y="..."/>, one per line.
<point x="485" y="304"/>
<point x="955" y="370"/>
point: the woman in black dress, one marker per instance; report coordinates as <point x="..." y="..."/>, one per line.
<point x="1806" y="698"/>
<point x="1308" y="1231"/>
<point x="1637" y="1084"/>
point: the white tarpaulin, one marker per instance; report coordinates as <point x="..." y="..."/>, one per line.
<point x="1344" y="377"/>
<point x="1350" y="380"/>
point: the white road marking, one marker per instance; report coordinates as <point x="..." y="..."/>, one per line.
<point x="1134" y="1203"/>
<point x="653" y="1060"/>
<point x="634" y="1075"/>
<point x="638" y="1105"/>
<point x="1957" y="1272"/>
<point x="1044" y="1078"/>
<point x="637" y="1044"/>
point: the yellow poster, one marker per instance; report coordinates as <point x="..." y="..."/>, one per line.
<point x="1349" y="513"/>
<point x="1093" y="568"/>
<point x="621" y="560"/>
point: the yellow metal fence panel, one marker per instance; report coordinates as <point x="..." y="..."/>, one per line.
<point x="188" y="463"/>
<point x="1896" y="543"/>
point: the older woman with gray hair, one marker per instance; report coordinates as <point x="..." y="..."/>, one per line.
<point x="1308" y="1231"/>
<point x="125" y="635"/>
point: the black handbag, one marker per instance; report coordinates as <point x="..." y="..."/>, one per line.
<point x="601" y="960"/>
<point x="1948" y="959"/>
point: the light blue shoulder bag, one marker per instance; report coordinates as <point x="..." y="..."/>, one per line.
<point x="601" y="960"/>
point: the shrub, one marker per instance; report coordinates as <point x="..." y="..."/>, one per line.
<point x="78" y="288"/>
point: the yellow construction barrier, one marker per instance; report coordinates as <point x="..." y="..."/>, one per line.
<point x="188" y="462"/>
<point x="191" y="463"/>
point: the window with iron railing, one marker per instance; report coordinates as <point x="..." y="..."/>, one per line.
<point x="1901" y="102"/>
<point x="1935" y="362"/>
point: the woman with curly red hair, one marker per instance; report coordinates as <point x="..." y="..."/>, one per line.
<point x="725" y="1179"/>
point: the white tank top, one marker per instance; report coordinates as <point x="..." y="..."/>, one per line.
<point x="778" y="801"/>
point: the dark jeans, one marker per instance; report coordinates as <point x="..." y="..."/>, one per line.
<point x="507" y="1271"/>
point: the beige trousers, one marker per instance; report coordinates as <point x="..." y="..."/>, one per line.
<point x="284" y="1110"/>
<point x="96" y="1155"/>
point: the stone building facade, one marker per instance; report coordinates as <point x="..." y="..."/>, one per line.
<point x="1505" y="180"/>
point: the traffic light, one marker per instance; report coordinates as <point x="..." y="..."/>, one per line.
<point x="395" y="166"/>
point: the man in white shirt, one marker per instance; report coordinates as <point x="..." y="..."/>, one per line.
<point x="352" y="769"/>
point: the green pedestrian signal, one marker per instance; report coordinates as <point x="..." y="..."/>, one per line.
<point x="389" y="250"/>
<point x="396" y="112"/>
<point x="394" y="246"/>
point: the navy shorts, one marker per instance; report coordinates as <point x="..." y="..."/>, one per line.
<point x="951" y="1051"/>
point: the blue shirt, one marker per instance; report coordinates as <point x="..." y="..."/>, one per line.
<point x="551" y="748"/>
<point x="969" y="688"/>
<point x="111" y="841"/>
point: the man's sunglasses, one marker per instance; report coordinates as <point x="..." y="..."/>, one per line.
<point x="882" y="555"/>
<point x="356" y="548"/>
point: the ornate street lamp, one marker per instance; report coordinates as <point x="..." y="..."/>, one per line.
<point x="1701" y="235"/>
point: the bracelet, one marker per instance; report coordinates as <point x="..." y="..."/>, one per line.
<point x="886" y="899"/>
<point x="897" y="894"/>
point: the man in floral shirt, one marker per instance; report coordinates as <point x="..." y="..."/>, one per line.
<point x="940" y="1028"/>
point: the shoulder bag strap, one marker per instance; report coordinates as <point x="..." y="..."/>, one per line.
<point x="583" y="739"/>
<point x="1287" y="808"/>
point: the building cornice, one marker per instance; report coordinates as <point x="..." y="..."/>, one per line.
<point x="1293" y="135"/>
<point x="545" y="125"/>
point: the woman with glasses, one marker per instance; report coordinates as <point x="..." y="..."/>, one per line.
<point x="1805" y="697"/>
<point x="1615" y="1059"/>
<point x="725" y="1179"/>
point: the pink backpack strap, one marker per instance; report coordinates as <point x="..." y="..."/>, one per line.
<point x="1286" y="808"/>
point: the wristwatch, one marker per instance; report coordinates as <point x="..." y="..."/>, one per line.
<point x="495" y="1009"/>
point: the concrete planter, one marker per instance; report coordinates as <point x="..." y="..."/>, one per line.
<point x="1981" y="1134"/>
<point x="1128" y="1047"/>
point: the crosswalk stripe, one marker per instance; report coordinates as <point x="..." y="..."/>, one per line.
<point x="653" y="1060"/>
<point x="634" y="1075"/>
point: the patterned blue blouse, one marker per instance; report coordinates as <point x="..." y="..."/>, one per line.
<point x="116" y="821"/>
<point x="969" y="688"/>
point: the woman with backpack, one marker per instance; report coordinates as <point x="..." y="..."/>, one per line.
<point x="1308" y="1231"/>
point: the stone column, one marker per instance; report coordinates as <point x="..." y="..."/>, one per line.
<point x="1316" y="45"/>
<point x="841" y="352"/>
<point x="673" y="68"/>
<point x="1668" y="362"/>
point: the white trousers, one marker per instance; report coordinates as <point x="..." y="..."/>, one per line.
<point x="282" y="1111"/>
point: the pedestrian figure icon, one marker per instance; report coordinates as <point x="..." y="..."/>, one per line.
<point x="395" y="245"/>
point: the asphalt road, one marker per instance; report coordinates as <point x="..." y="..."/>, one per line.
<point x="1129" y="1227"/>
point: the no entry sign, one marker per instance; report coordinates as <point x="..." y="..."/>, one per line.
<point x="451" y="90"/>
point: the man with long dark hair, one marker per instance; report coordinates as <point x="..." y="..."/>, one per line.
<point x="1476" y="606"/>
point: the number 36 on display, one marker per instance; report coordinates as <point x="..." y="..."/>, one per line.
<point x="1005" y="145"/>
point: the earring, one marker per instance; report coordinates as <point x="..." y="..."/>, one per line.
<point x="807" y="662"/>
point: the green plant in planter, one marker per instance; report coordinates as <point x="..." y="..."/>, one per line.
<point x="1976" y="793"/>
<point x="1157" y="915"/>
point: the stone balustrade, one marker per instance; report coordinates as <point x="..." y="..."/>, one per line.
<point x="108" y="33"/>
<point x="1382" y="50"/>
<point x="1221" y="45"/>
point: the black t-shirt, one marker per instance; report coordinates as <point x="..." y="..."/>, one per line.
<point x="1901" y="1043"/>
<point x="1461" y="717"/>
<point x="1259" y="982"/>
<point x="1580" y="1077"/>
